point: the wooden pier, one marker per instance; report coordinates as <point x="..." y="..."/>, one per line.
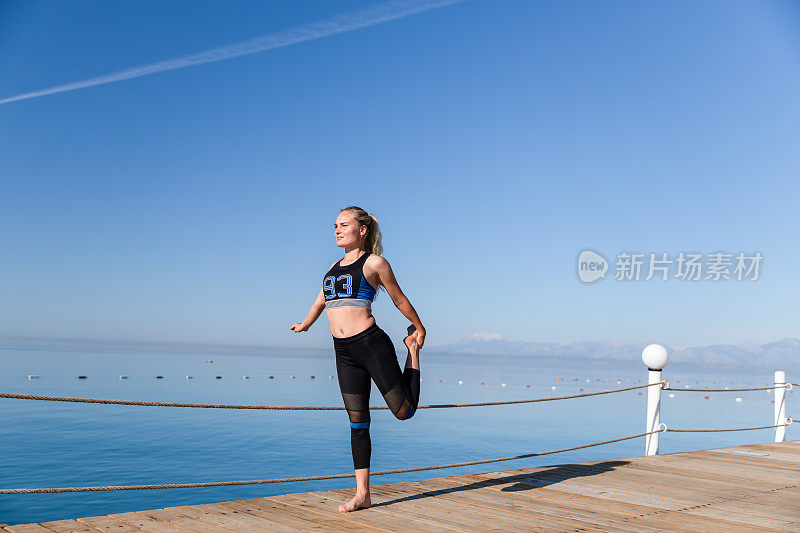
<point x="743" y="488"/>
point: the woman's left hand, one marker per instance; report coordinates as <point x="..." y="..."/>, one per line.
<point x="420" y="336"/>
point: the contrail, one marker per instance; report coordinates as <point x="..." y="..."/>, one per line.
<point x="354" y="20"/>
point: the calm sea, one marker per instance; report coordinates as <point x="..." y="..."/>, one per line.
<point x="49" y="444"/>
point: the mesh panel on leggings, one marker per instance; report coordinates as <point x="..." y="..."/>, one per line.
<point x="395" y="398"/>
<point x="356" y="402"/>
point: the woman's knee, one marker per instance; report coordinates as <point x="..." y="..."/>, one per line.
<point x="405" y="412"/>
<point x="359" y="417"/>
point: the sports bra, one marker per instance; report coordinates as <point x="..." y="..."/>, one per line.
<point x="346" y="286"/>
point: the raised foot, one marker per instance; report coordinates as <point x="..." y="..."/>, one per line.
<point x="411" y="340"/>
<point x="358" y="502"/>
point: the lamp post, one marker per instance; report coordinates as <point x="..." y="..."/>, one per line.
<point x="655" y="357"/>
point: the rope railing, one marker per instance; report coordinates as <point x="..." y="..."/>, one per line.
<point x="312" y="478"/>
<point x="301" y="407"/>
<point x="663" y="385"/>
<point x="788" y="422"/>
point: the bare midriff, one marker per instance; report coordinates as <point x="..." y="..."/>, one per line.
<point x="348" y="321"/>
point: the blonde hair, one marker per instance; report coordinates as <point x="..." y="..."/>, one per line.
<point x="372" y="241"/>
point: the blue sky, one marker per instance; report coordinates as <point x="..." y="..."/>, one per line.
<point x="493" y="140"/>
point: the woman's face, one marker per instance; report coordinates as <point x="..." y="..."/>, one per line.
<point x="346" y="230"/>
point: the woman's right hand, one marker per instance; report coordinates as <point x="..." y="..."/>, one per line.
<point x="297" y="327"/>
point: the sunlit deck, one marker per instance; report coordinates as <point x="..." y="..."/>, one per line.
<point x="743" y="488"/>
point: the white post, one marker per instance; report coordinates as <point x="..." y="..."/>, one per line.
<point x="780" y="405"/>
<point x="655" y="357"/>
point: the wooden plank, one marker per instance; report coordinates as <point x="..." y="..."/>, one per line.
<point x="27" y="528"/>
<point x="519" y="503"/>
<point x="613" y="493"/>
<point x="768" y="462"/>
<point x="784" y="502"/>
<point x="409" y="503"/>
<point x="678" y="517"/>
<point x="773" y="455"/>
<point x="738" y="493"/>
<point x="247" y="518"/>
<point x="791" y="446"/>
<point x="759" y="520"/>
<point x="741" y="517"/>
<point x="678" y="479"/>
<point x="464" y="514"/>
<point x="772" y="450"/>
<point x="646" y="482"/>
<point x="494" y="505"/>
<point x="740" y="497"/>
<point x="671" y="484"/>
<point x="407" y="512"/>
<point x="183" y="522"/>
<point x="653" y="523"/>
<point x="722" y="477"/>
<point x="622" y="509"/>
<point x="273" y="511"/>
<point x="332" y="500"/>
<point x="68" y="526"/>
<point x="619" y="514"/>
<point x="146" y="523"/>
<point x="326" y="517"/>
<point x="379" y="506"/>
<point x="719" y="472"/>
<point x="754" y="517"/>
<point x="552" y="493"/>
<point x="371" y="516"/>
<point x="716" y="466"/>
<point x="108" y="524"/>
<point x="285" y="514"/>
<point x="213" y="519"/>
<point x="507" y="506"/>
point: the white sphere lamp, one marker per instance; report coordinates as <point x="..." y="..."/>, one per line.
<point x="655" y="356"/>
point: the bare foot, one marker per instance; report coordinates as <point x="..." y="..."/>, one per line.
<point x="411" y="340"/>
<point x="412" y="361"/>
<point x="358" y="502"/>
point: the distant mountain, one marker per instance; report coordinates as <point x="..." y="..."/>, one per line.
<point x="785" y="352"/>
<point x="782" y="353"/>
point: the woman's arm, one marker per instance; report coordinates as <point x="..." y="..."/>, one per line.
<point x="312" y="316"/>
<point x="387" y="279"/>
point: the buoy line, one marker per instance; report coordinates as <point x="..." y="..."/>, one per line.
<point x="783" y="386"/>
<point x="310" y="478"/>
<point x="300" y="407"/>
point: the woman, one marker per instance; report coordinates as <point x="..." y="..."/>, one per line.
<point x="363" y="350"/>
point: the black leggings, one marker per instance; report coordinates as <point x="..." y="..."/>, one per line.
<point x="365" y="355"/>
